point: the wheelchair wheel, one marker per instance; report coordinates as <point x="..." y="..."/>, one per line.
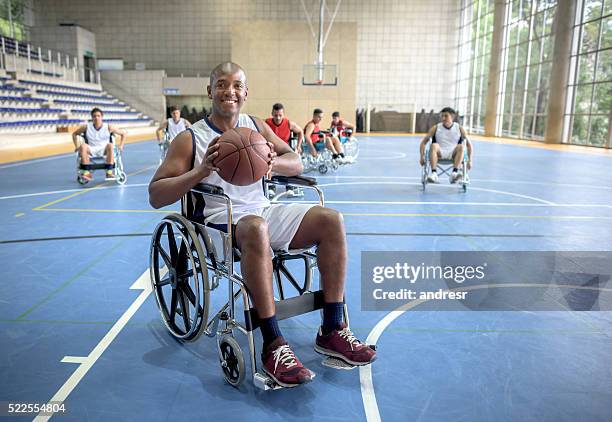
<point x="121" y="177"/>
<point x="82" y="180"/>
<point x="323" y="168"/>
<point x="232" y="361"/>
<point x="351" y="148"/>
<point x="179" y="277"/>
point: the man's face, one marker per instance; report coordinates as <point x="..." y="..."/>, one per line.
<point x="335" y="119"/>
<point x="176" y="115"/>
<point x="228" y="92"/>
<point x="447" y="118"/>
<point x="96" y="118"/>
<point x="316" y="118"/>
<point x="277" y="116"/>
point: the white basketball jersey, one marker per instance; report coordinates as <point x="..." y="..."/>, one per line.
<point x="175" y="128"/>
<point x="244" y="198"/>
<point x="447" y="138"/>
<point x="97" y="137"/>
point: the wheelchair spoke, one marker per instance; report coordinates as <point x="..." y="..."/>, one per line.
<point x="164" y="255"/>
<point x="164" y="281"/>
<point x="173" y="306"/>
<point x="184" y="309"/>
<point x="172" y="244"/>
<point x="186" y="289"/>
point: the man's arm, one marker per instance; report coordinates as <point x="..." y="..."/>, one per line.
<point x="187" y="124"/>
<point x="348" y="125"/>
<point x="175" y="177"/>
<point x="468" y="145"/>
<point x="424" y="142"/>
<point x="160" y="130"/>
<point x="300" y="134"/>
<point x="81" y="130"/>
<point x="119" y="132"/>
<point x="284" y="161"/>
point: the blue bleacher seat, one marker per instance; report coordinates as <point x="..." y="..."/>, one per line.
<point x="60" y="86"/>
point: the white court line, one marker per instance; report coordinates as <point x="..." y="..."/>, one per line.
<point x="365" y="372"/>
<point x="384" y="157"/>
<point x="477" y="204"/>
<point x="143" y="282"/>
<point x="40" y="160"/>
<point x="533" y="198"/>
<point x="74" y="359"/>
<point x="51" y="192"/>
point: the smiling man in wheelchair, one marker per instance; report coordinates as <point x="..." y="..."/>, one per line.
<point x="261" y="229"/>
<point x="449" y="143"/>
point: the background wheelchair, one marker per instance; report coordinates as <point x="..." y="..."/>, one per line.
<point x="322" y="163"/>
<point x="350" y="145"/>
<point x="188" y="260"/>
<point x="99" y="163"/>
<point x="445" y="167"/>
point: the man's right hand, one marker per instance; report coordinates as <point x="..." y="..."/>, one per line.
<point x="422" y="160"/>
<point x="207" y="166"/>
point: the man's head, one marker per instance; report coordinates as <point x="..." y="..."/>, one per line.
<point x="175" y="113"/>
<point x="317" y="115"/>
<point x="96" y="116"/>
<point x="447" y="115"/>
<point x="228" y="89"/>
<point x="278" y="113"/>
<point x="335" y="117"/>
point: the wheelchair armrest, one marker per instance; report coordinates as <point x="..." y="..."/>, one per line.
<point x="206" y="188"/>
<point x="294" y="180"/>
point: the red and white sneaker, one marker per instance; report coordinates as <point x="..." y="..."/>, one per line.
<point x="283" y="366"/>
<point x="342" y="344"/>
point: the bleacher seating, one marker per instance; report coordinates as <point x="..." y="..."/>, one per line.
<point x="56" y="106"/>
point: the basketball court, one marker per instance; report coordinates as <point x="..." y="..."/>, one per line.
<point x="79" y="321"/>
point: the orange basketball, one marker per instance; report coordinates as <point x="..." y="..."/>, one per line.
<point x="243" y="156"/>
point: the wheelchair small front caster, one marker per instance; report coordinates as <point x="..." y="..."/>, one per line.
<point x="232" y="361"/>
<point x="323" y="168"/>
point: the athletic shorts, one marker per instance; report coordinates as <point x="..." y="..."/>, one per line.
<point x="283" y="221"/>
<point x="446" y="154"/>
<point x="96" y="151"/>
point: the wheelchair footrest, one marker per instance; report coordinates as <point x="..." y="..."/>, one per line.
<point x="265" y="382"/>
<point x="336" y="363"/>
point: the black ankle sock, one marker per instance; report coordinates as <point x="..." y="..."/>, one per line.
<point x="455" y="169"/>
<point x="85" y="166"/>
<point x="109" y="167"/>
<point x="269" y="330"/>
<point x="332" y="316"/>
<point x="334" y="156"/>
<point x="341" y="154"/>
<point x="434" y="171"/>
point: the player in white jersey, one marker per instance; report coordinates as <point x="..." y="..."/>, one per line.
<point x="172" y="126"/>
<point x="98" y="143"/>
<point x="448" y="140"/>
<point x="261" y="226"/>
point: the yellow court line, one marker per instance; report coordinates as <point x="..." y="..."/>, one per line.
<point x="72" y="195"/>
<point x="20" y="214"/>
<point x="562" y="217"/>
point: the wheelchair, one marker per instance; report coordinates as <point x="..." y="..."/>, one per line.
<point x="323" y="162"/>
<point x="350" y="145"/>
<point x="445" y="167"/>
<point x="163" y="147"/>
<point x="99" y="163"/>
<point x="188" y="260"/>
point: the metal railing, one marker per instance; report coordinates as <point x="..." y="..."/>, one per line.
<point x="37" y="61"/>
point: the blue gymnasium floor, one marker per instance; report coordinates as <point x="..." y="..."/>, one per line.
<point x="70" y="255"/>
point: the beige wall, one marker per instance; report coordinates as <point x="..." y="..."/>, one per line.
<point x="273" y="63"/>
<point x="142" y="89"/>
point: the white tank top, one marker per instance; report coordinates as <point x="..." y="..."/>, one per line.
<point x="97" y="137"/>
<point x="447" y="138"/>
<point x="244" y="198"/>
<point x="175" y="128"/>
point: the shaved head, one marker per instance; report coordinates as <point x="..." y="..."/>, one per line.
<point x="226" y="68"/>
